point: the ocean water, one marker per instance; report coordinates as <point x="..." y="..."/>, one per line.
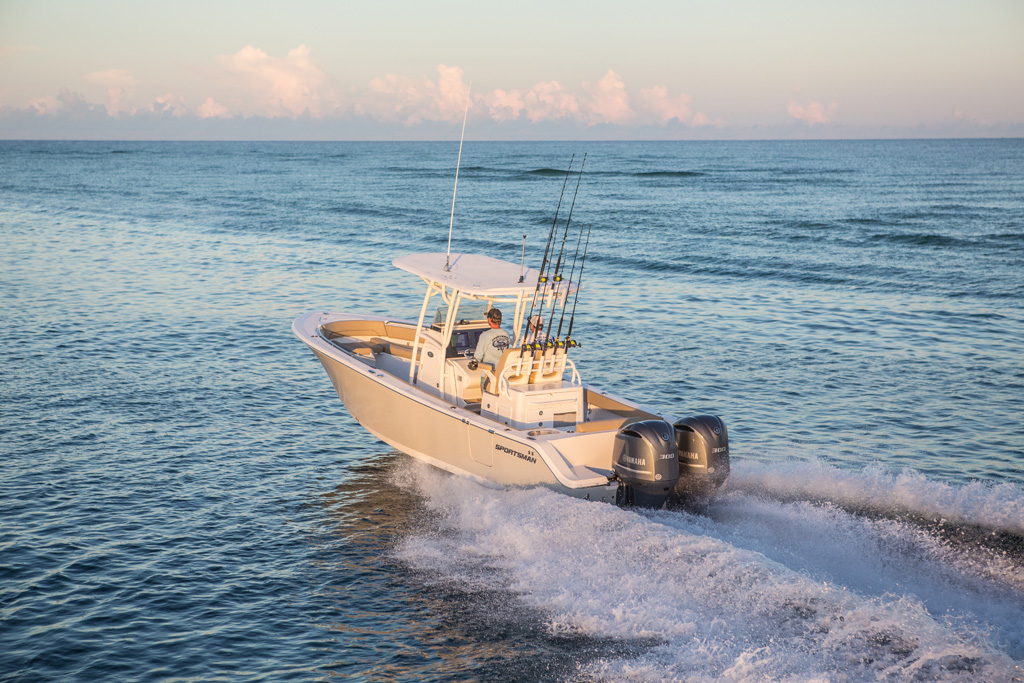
<point x="183" y="497"/>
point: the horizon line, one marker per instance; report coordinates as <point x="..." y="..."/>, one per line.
<point x="544" y="141"/>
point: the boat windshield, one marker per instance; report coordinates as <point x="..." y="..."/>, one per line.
<point x="469" y="312"/>
<point x="471" y="323"/>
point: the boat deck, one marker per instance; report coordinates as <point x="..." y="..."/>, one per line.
<point x="388" y="346"/>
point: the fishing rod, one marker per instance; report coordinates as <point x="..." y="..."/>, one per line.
<point x="542" y="276"/>
<point x="558" y="268"/>
<point x="565" y="302"/>
<point x="569" y="343"/>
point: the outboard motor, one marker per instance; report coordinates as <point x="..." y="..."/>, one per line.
<point x="702" y="443"/>
<point x="646" y="463"/>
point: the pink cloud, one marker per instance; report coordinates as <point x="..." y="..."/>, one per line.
<point x="608" y="101"/>
<point x="452" y="92"/>
<point x="44" y="105"/>
<point x="813" y="112"/>
<point x="66" y="102"/>
<point x="169" y="103"/>
<point x="544" y="101"/>
<point x="960" y="117"/>
<point x="701" y="119"/>
<point x="412" y="100"/>
<point x="274" y="86"/>
<point x="252" y="82"/>
<point x="118" y="82"/>
<point x="549" y="100"/>
<point x="657" y="102"/>
<point x="211" y="108"/>
<point x="396" y="97"/>
<point x="503" y="106"/>
<point x="116" y="103"/>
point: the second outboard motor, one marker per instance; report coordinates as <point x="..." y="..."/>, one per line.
<point x="646" y="463"/>
<point x="703" y="446"/>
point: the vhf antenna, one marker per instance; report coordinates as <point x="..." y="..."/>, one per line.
<point x="451" y="221"/>
<point x="522" y="261"/>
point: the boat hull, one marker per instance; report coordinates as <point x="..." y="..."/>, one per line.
<point x="446" y="436"/>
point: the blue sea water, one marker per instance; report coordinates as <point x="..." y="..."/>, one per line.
<point x="183" y="497"/>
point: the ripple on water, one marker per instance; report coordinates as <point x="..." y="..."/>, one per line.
<point x="183" y="496"/>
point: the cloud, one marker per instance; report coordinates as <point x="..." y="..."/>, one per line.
<point x="608" y="101"/>
<point x="544" y="101"/>
<point x="272" y="86"/>
<point x="412" y="100"/>
<point x="503" y="106"/>
<point x="701" y="119"/>
<point x="549" y="100"/>
<point x="452" y="92"/>
<point x="116" y="104"/>
<point x="253" y="83"/>
<point x="399" y="98"/>
<point x="117" y="82"/>
<point x="959" y="117"/>
<point x="67" y="103"/>
<point x="658" y="103"/>
<point x="813" y="112"/>
<point x="169" y="103"/>
<point x="211" y="108"/>
<point x="44" y="106"/>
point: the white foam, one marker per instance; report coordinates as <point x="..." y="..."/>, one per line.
<point x="719" y="611"/>
<point x="998" y="507"/>
<point x="966" y="585"/>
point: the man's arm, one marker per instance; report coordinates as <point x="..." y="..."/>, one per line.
<point x="478" y="352"/>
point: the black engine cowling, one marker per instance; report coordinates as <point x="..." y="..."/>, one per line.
<point x="702" y="444"/>
<point x="646" y="463"/>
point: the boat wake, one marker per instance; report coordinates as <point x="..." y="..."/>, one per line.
<point x="782" y="577"/>
<point x="998" y="508"/>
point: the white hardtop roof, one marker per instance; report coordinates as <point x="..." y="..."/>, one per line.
<point x="471" y="273"/>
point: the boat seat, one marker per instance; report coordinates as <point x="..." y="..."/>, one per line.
<point x="513" y="367"/>
<point x="394" y="348"/>
<point x="549" y="365"/>
<point x="361" y="348"/>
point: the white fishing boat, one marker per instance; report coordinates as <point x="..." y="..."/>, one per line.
<point x="526" y="419"/>
<point x="530" y="419"/>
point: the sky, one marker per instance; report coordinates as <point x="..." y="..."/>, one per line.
<point x="531" y="70"/>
